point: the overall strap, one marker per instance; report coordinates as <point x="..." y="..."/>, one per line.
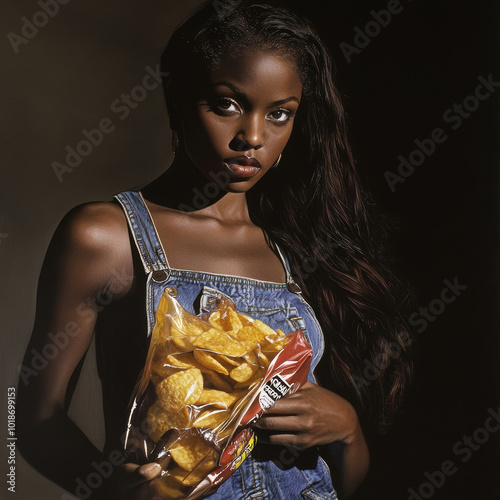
<point x="290" y="283"/>
<point x="145" y="235"/>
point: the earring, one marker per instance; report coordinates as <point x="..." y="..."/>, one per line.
<point x="175" y="141"/>
<point x="277" y="162"/>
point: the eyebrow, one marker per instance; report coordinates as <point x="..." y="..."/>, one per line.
<point x="244" y="97"/>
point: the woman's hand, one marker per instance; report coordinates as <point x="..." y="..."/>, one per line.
<point x="132" y="481"/>
<point x="313" y="416"/>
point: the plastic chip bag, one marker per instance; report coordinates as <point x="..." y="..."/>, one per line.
<point x="204" y="383"/>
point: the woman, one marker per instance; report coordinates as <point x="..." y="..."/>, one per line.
<point x="262" y="204"/>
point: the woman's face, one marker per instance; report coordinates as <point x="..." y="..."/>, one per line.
<point x="238" y="128"/>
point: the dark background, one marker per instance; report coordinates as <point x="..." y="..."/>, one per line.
<point x="396" y="90"/>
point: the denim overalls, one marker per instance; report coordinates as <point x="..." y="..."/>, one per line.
<point x="270" y="472"/>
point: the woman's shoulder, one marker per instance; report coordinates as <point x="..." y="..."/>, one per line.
<point x="94" y="238"/>
<point x="95" y="226"/>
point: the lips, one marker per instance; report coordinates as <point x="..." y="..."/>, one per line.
<point x="242" y="166"/>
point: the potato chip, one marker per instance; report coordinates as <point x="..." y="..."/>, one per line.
<point x="262" y="327"/>
<point x="164" y="489"/>
<point x="251" y="358"/>
<point x="250" y="345"/>
<point x="208" y="360"/>
<point x="229" y="359"/>
<point x="219" y="342"/>
<point x="276" y="346"/>
<point x="185" y="360"/>
<point x="179" y="475"/>
<point x="219" y="399"/>
<point x="251" y="333"/>
<point x="181" y="339"/>
<point x="195" y="476"/>
<point x="255" y="379"/>
<point x="194" y="327"/>
<point x="181" y="388"/>
<point x="239" y="396"/>
<point x="159" y="368"/>
<point x="215" y="320"/>
<point x="280" y="333"/>
<point x="184" y="477"/>
<point x="213" y="379"/>
<point x="189" y="451"/>
<point x="211" y="419"/>
<point x="226" y="320"/>
<point x="243" y="372"/>
<point x="161" y="350"/>
<point x="262" y="358"/>
<point x="159" y="421"/>
<point x="245" y="320"/>
<point x="231" y="321"/>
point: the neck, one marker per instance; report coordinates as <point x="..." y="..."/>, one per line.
<point x="183" y="187"/>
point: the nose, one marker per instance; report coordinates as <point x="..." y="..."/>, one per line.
<point x="250" y="135"/>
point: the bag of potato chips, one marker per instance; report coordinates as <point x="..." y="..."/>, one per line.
<point x="205" y="381"/>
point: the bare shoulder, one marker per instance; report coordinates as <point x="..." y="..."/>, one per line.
<point x="96" y="226"/>
<point x="93" y="241"/>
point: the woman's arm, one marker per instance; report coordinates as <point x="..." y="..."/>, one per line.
<point x="352" y="465"/>
<point x="314" y="416"/>
<point x="89" y="250"/>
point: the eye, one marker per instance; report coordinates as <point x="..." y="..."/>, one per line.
<point x="280" y="116"/>
<point x="225" y="106"/>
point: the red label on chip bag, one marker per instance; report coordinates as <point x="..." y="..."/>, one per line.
<point x="286" y="374"/>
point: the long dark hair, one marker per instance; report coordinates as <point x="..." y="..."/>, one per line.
<point x="318" y="213"/>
